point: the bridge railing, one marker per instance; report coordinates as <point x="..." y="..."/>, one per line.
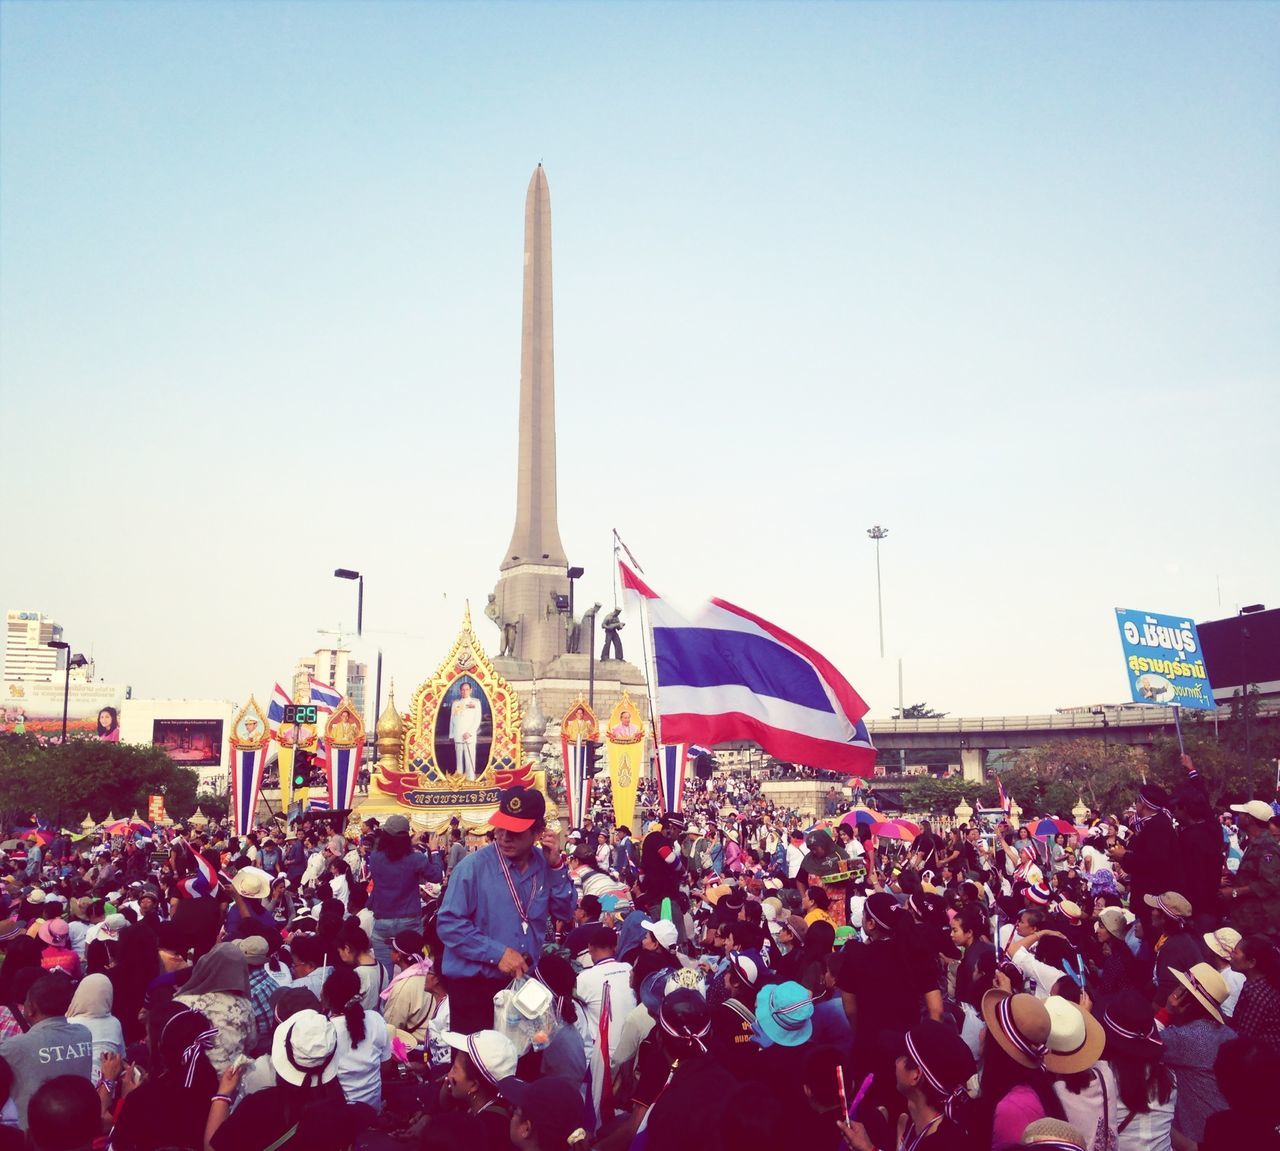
<point x="1079" y="721"/>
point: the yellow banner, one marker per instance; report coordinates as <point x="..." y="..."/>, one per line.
<point x="624" y="739"/>
<point x="284" y="764"/>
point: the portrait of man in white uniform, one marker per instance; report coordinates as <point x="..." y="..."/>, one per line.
<point x="465" y="714"/>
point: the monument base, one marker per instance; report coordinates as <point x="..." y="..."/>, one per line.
<point x="565" y="679"/>
<point x="805" y="796"/>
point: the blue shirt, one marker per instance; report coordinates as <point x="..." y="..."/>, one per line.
<point x="478" y="919"/>
<point x="395" y="892"/>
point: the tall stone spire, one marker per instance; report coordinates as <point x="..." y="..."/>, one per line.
<point x="535" y="569"/>
<point x="536" y="537"/>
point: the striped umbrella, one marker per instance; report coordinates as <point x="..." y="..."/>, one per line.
<point x="863" y="814"/>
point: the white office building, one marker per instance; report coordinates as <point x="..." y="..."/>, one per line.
<point x="27" y="655"/>
<point x="335" y="667"/>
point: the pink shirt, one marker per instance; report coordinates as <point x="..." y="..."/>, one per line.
<point x="1020" y="1107"/>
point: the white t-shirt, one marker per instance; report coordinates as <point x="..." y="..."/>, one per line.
<point x="1032" y="969"/>
<point x="360" y="1070"/>
<point x="1097" y="860"/>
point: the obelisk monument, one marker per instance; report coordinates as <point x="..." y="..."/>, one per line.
<point x="535" y="569"/>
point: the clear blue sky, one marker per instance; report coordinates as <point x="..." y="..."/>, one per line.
<point x="1004" y="278"/>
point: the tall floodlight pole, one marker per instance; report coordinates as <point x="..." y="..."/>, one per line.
<point x="65" y="648"/>
<point x="878" y="533"/>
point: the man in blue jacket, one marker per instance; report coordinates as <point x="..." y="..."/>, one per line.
<point x="493" y="920"/>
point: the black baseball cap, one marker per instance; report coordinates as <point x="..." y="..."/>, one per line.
<point x="553" y="1105"/>
<point x="519" y="808"/>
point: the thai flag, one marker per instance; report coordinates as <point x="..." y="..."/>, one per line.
<point x="673" y="761"/>
<point x="280" y="699"/>
<point x="325" y="698"/>
<point x="322" y="693"/>
<point x="728" y="675"/>
<point x="204" y="883"/>
<point x="1006" y="804"/>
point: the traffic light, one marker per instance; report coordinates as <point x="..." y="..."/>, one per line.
<point x="301" y="769"/>
<point x="594" y="766"/>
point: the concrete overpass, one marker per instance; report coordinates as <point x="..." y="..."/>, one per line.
<point x="975" y="736"/>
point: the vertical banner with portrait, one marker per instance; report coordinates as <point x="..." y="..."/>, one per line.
<point x="344" y="735"/>
<point x="578" y="732"/>
<point x="250" y="740"/>
<point x="624" y="748"/>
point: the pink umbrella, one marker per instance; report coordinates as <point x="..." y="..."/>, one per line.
<point x="891" y="829"/>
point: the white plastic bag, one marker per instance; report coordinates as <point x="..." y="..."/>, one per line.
<point x="525" y="1014"/>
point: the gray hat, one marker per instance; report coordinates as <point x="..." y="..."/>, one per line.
<point x="396" y="825"/>
<point x="255" y="950"/>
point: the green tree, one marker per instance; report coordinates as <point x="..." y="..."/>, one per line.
<point x="62" y="783"/>
<point x="918" y="711"/>
<point x="1049" y="780"/>
<point x="942" y="796"/>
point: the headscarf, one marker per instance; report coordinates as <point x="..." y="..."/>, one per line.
<point x="222" y="969"/>
<point x="92" y="999"/>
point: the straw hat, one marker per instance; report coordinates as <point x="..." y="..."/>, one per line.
<point x="1222" y="942"/>
<point x="1129" y="1022"/>
<point x="1076" y="1038"/>
<point x="1207" y="985"/>
<point x="1020" y="1024"/>
<point x="1052" y="1135"/>
<point x="1112" y="918"/>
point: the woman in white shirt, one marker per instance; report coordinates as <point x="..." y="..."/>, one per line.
<point x="364" y="1043"/>
<point x="340" y="883"/>
<point x="1146" y="1090"/>
<point x="91" y="1006"/>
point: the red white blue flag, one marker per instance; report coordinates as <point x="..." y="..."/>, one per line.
<point x="725" y="674"/>
<point x="202" y="884"/>
<point x="275" y="709"/>
<point x="247" y="764"/>
<point x="326" y="699"/>
<point x="344" y="766"/>
<point x="577" y="784"/>
<point x="673" y="760"/>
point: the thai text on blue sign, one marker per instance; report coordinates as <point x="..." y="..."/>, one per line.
<point x="1163" y="657"/>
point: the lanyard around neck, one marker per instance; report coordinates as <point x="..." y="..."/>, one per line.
<point x="521" y="909"/>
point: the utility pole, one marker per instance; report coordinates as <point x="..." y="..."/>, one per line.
<point x="878" y="533"/>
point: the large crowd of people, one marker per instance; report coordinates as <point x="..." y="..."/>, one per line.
<point x="727" y="976"/>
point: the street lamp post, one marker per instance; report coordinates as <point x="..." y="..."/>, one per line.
<point x="62" y="645"/>
<point x="574" y="573"/>
<point x="878" y="533"/>
<point x="1245" y="637"/>
<point x="347" y="573"/>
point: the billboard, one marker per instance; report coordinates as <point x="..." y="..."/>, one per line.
<point x="1164" y="660"/>
<point x="190" y="742"/>
<point x="1242" y="648"/>
<point x="35" y="706"/>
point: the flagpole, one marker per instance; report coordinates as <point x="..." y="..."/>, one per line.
<point x="646" y="646"/>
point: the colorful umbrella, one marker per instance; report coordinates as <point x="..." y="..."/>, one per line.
<point x="125" y="826"/>
<point x="913" y="828"/>
<point x="891" y="829"/>
<point x="1044" y="828"/>
<point x="38" y="835"/>
<point x="863" y="814"/>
